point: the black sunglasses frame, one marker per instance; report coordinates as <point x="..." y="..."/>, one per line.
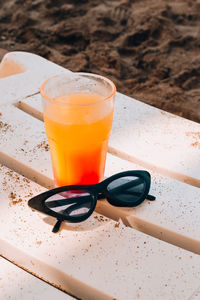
<point x="96" y="191"/>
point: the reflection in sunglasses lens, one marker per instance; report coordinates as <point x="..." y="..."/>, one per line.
<point x="127" y="189"/>
<point x="74" y="203"/>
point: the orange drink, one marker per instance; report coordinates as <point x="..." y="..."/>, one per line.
<point x="78" y="122"/>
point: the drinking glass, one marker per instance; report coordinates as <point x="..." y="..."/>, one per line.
<point x="78" y="114"/>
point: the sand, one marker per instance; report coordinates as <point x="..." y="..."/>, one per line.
<point x="149" y="48"/>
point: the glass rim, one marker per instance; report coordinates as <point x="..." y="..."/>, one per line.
<point x="44" y="95"/>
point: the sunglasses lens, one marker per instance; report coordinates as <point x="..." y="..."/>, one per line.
<point x="75" y="204"/>
<point x="128" y="189"/>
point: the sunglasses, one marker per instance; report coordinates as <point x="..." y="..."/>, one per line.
<point x="75" y="203"/>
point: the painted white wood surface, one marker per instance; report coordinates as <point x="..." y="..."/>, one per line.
<point x="97" y="259"/>
<point x="173" y="217"/>
<point x="165" y="142"/>
<point x="137" y="136"/>
<point x="17" y="284"/>
<point x="148" y="136"/>
<point x="36" y="70"/>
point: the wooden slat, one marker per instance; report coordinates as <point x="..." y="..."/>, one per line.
<point x="150" y="137"/>
<point x="35" y="70"/>
<point x="15" y="283"/>
<point x="24" y="146"/>
<point x="156" y="139"/>
<point x="173" y="216"/>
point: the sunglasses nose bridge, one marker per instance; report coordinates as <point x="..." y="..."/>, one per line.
<point x="101" y="196"/>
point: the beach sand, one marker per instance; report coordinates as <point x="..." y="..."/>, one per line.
<point x="149" y="48"/>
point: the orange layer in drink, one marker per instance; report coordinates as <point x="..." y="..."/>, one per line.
<point x="78" y="138"/>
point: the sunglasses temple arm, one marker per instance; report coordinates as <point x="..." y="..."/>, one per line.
<point x="150" y="197"/>
<point x="57" y="226"/>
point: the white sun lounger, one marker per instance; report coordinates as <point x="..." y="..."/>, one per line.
<point x="148" y="252"/>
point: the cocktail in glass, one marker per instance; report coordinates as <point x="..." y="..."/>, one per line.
<point x="78" y="113"/>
